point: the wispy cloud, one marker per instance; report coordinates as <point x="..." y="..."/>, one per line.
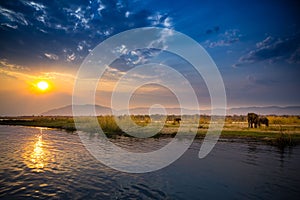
<point x="161" y="42"/>
<point x="57" y="75"/>
<point x="227" y="38"/>
<point x="36" y="6"/>
<point x="5" y="65"/>
<point x="11" y="16"/>
<point x="159" y="19"/>
<point x="84" y="44"/>
<point x="39" y="13"/>
<point x="273" y="49"/>
<point x="51" y="56"/>
<point x="9" y="25"/>
<point x="127" y="13"/>
<point x="80" y="18"/>
<point x="71" y="57"/>
<point x="11" y="70"/>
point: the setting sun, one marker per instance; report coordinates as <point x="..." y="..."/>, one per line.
<point x="43" y="85"/>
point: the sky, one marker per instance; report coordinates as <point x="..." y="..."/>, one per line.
<point x="255" y="45"/>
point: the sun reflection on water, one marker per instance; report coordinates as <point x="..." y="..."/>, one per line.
<point x="36" y="155"/>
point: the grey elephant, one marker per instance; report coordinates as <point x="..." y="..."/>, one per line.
<point x="263" y="120"/>
<point x="253" y="119"/>
<point x="177" y="120"/>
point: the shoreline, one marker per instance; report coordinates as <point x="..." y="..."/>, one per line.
<point x="281" y="138"/>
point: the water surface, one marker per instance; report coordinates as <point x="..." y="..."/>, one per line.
<point x="47" y="163"/>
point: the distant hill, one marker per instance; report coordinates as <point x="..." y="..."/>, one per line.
<point x="84" y="110"/>
<point x="102" y="110"/>
<point x="266" y="110"/>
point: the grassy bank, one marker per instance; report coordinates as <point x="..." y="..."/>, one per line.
<point x="107" y="123"/>
<point x="283" y="130"/>
<point x="66" y="123"/>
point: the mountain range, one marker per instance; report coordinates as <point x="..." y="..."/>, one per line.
<point x="85" y="110"/>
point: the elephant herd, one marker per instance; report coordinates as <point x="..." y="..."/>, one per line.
<point x="254" y="119"/>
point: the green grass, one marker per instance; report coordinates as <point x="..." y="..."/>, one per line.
<point x="61" y="123"/>
<point x="256" y="134"/>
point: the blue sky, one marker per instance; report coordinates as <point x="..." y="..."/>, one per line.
<point x="255" y="44"/>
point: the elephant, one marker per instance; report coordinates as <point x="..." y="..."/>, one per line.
<point x="173" y="119"/>
<point x="263" y="120"/>
<point x="256" y="120"/>
<point x="177" y="120"/>
<point x="253" y="119"/>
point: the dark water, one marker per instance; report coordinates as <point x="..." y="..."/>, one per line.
<point x="54" y="164"/>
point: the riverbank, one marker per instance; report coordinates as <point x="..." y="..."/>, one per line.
<point x="278" y="134"/>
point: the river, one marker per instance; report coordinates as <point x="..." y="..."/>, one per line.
<point x="47" y="163"/>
